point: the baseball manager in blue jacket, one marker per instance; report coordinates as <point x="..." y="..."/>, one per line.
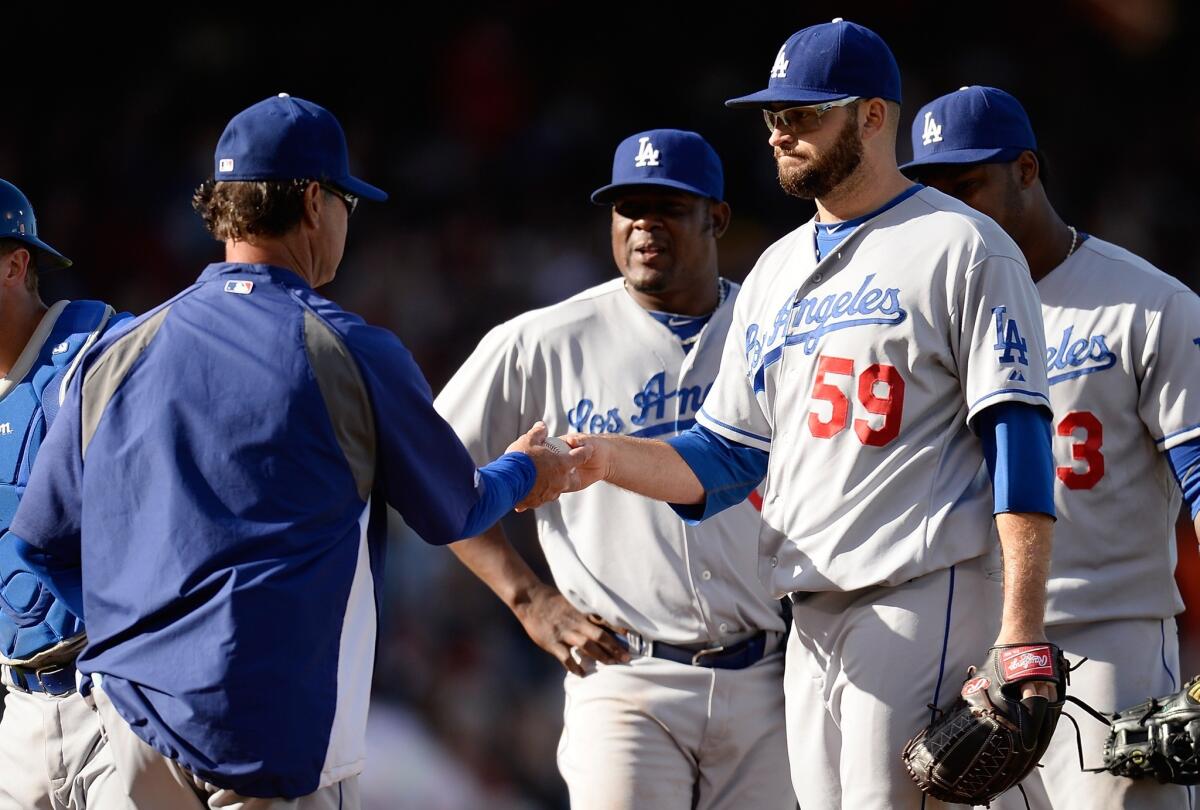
<point x="212" y="498"/>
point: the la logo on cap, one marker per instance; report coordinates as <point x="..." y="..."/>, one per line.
<point x="933" y="130"/>
<point x="647" y="155"/>
<point x="779" y="69"/>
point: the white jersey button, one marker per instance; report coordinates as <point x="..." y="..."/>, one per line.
<point x="724" y="628"/>
<point x="706" y="575"/>
<point x="774" y="562"/>
<point x="817" y="278"/>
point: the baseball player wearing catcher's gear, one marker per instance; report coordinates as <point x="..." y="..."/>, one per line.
<point x="691" y="716"/>
<point x="40" y="349"/>
<point x="882" y="360"/>
<point x="219" y="472"/>
<point x="1123" y="359"/>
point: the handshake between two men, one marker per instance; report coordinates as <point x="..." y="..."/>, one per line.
<point x="576" y="461"/>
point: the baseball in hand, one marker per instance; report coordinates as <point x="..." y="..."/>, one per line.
<point x="557" y="446"/>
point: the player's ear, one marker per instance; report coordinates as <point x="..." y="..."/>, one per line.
<point x="720" y="214"/>
<point x="312" y="204"/>
<point x="1028" y="169"/>
<point x="13" y="267"/>
<point x="879" y="117"/>
<point x="873" y="116"/>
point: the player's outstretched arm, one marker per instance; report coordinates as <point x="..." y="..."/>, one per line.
<point x="1025" y="541"/>
<point x="645" y="466"/>
<point x="549" y="619"/>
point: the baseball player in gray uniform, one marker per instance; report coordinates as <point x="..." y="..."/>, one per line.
<point x="883" y="362"/>
<point x="674" y="693"/>
<point x="1123" y="359"/>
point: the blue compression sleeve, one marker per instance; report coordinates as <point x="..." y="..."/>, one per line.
<point x="62" y="578"/>
<point x="502" y="485"/>
<point x="727" y="470"/>
<point x="1019" y="454"/>
<point x="1185" y="463"/>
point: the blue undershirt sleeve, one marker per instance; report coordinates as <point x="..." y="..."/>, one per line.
<point x="502" y="484"/>
<point x="728" y="471"/>
<point x="1019" y="454"/>
<point x="1185" y="463"/>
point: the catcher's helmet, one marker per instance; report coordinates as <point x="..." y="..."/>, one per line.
<point x="17" y="222"/>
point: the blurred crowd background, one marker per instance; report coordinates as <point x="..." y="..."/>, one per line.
<point x="490" y="126"/>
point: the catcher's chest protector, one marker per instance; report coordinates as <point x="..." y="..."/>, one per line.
<point x="31" y="619"/>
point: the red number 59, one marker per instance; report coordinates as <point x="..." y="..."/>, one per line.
<point x="888" y="402"/>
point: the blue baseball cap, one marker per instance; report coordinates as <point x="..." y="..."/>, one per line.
<point x="971" y="125"/>
<point x="828" y="62"/>
<point x="18" y="222"/>
<point x="288" y="138"/>
<point x="673" y="158"/>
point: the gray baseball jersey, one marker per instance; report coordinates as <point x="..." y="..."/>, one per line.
<point x="599" y="363"/>
<point x="1123" y="357"/>
<point x="894" y="341"/>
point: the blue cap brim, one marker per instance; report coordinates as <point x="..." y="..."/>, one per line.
<point x="775" y="95"/>
<point x="962" y="157"/>
<point x="605" y="194"/>
<point x="48" y="258"/>
<point x="362" y="189"/>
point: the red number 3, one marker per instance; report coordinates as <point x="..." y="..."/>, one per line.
<point x="1087" y="450"/>
<point x="889" y="405"/>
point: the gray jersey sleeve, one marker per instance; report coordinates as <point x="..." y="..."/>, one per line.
<point x="1169" y="390"/>
<point x="734" y="406"/>
<point x="1001" y="342"/>
<point x="484" y="400"/>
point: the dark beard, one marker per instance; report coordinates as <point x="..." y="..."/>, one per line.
<point x="827" y="172"/>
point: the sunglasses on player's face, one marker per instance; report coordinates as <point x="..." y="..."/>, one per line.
<point x="351" y="200"/>
<point x="802" y="119"/>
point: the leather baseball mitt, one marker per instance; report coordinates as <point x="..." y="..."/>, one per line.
<point x="990" y="739"/>
<point x="1158" y="739"/>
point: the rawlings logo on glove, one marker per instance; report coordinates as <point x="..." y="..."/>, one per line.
<point x="991" y="738"/>
<point x="1026" y="663"/>
<point x="975" y="685"/>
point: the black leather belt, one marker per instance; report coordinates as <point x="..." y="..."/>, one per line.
<point x="55" y="680"/>
<point x="744" y="653"/>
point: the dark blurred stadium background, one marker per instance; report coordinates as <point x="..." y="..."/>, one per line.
<point x="489" y="127"/>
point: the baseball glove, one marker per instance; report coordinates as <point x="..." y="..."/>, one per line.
<point x="1158" y="739"/>
<point x="990" y="739"/>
